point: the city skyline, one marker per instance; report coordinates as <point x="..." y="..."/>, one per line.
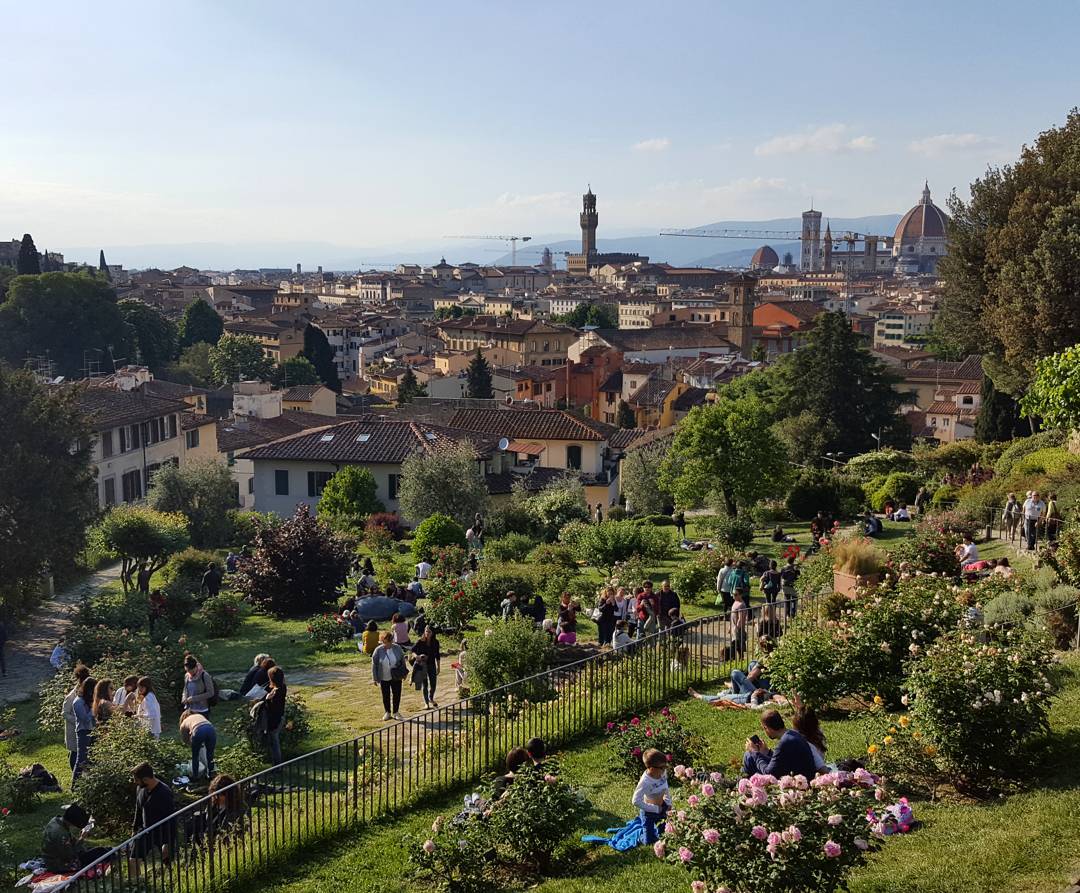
<point x="147" y="124"/>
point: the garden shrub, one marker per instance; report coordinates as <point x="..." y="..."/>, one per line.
<point x="604" y="545"/>
<point x="982" y="702"/>
<point x="695" y="580"/>
<point x="8" y="871"/>
<point x="511" y="547"/>
<point x="1050" y="461"/>
<point x="328" y="631"/>
<point x="246" y="524"/>
<point x="493" y="581"/>
<point x="557" y="505"/>
<point x="180" y="604"/>
<point x="581" y="589"/>
<point x="452" y="601"/>
<point x="553" y="557"/>
<point x="899" y="487"/>
<point x="825" y="491"/>
<point x="105" y="788"/>
<point x="296" y="728"/>
<point x="183" y="572"/>
<point x="1025" y="446"/>
<point x="786" y="835"/>
<point x="456" y="857"/>
<point x="616" y="513"/>
<point x="884" y="462"/>
<point x="1008" y="607"/>
<point x="769" y="512"/>
<point x="944" y="496"/>
<point x="17" y="794"/>
<point x="388" y="521"/>
<point x="948" y="458"/>
<point x="656" y="520"/>
<point x="239" y="760"/>
<point x="816" y="574"/>
<point x="433" y="533"/>
<point x="805" y="662"/>
<point x="222" y="615"/>
<point x="1055" y="612"/>
<point x="508" y="651"/>
<point x="738" y="533"/>
<point x="629" y="738"/>
<point x="512" y="516"/>
<point x="929" y="550"/>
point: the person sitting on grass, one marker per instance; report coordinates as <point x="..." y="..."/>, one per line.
<point x="652" y="796"/>
<point x="62" y="847"/>
<point x="750" y="687"/>
<point x="537" y="751"/>
<point x="515" y="759"/>
<point x="967" y="553"/>
<point x="791" y="756"/>
<point x="369" y="641"/>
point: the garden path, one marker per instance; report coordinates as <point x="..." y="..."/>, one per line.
<point x="31" y="642"/>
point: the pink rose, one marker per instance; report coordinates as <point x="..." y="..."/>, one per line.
<point x="689" y="772"/>
<point x="698" y="887"/>
<point x="679" y="770"/>
<point x="684" y="854"/>
<point x="550" y="779"/>
<point x="707" y="789"/>
<point x="832" y="849"/>
<point x="835" y="819"/>
<point x="693" y="800"/>
<point x="659" y="849"/>
<point x="681" y="815"/>
<point x="429" y="846"/>
<point x="635" y="721"/>
<point x="861" y="844"/>
<point x="711" y="835"/>
<point x="759" y="831"/>
<point x="775" y="838"/>
<point x="796" y="834"/>
<point x="648" y="733"/>
<point x="716" y="777"/>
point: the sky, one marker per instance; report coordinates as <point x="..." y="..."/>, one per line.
<point x="384" y="124"/>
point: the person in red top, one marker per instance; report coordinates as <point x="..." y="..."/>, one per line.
<point x="648" y="610"/>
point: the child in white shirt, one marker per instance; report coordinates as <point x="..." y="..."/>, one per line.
<point x="652" y="796"/>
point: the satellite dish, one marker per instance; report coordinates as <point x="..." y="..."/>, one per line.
<point x="503" y="444"/>
<point x="509" y="399"/>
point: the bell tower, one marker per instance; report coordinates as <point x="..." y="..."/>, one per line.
<point x="588" y="223"/>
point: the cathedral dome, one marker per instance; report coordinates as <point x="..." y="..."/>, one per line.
<point x="925" y="221"/>
<point x="764" y="259"/>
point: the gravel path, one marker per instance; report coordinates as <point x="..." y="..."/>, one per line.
<point x="31" y="642"/>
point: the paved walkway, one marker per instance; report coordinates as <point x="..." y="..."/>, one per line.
<point x="30" y="643"/>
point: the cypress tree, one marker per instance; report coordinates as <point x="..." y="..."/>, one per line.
<point x="479" y="375"/>
<point x="318" y="350"/>
<point x="28" y="263"/>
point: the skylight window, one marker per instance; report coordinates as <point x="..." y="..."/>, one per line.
<point x="363" y="438"/>
<point x="326" y="438"/>
<point x="429" y="435"/>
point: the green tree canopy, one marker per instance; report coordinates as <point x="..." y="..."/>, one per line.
<point x="200" y="322"/>
<point x="192" y="367"/>
<point x="6" y="275"/>
<point x="728" y="448"/>
<point x="239" y="357"/>
<point x="47" y="490"/>
<point x="479" y="378"/>
<point x="1012" y="274"/>
<point x="28" y="263"/>
<point x="153" y="335"/>
<point x="639" y="474"/>
<point x="141" y="535"/>
<point x="603" y="316"/>
<point x="409" y="388"/>
<point x="625" y="416"/>
<point x="295" y="370"/>
<point x="999" y="415"/>
<point x="64" y="315"/>
<point x="349" y="497"/>
<point x="318" y="350"/>
<point x="1054" y="395"/>
<point x="447" y="481"/>
<point x="202" y="491"/>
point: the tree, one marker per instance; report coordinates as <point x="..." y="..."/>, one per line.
<point x="142" y="536"/>
<point x="436" y="531"/>
<point x="639" y="477"/>
<point x="47" y="489"/>
<point x="6" y="275"/>
<point x="318" y="350"/>
<point x="1054" y="395"/>
<point x="202" y="491"/>
<point x="447" y="480"/>
<point x="409" y="389"/>
<point x="296" y="568"/>
<point x="239" y="357"/>
<point x="848" y="391"/>
<point x="999" y="415"/>
<point x="200" y="322"/>
<point x="479" y="378"/>
<point x="727" y="447"/>
<point x="295" y="370"/>
<point x="69" y="316"/>
<point x="28" y="262"/>
<point x="349" y="497"/>
<point x="625" y="416"/>
<point x="602" y="316"/>
<point x="193" y="366"/>
<point x="1012" y="274"/>
<point x="153" y="335"/>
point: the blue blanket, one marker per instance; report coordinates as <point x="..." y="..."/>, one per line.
<point x="630" y="835"/>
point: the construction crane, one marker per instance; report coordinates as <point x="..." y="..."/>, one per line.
<point x="513" y="240"/>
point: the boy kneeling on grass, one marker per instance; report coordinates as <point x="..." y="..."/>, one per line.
<point x="652" y="796"/>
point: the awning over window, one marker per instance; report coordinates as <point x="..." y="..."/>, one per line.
<point x="529" y="449"/>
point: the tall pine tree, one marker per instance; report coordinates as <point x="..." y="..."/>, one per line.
<point x="318" y="350"/>
<point x="200" y="322"/>
<point x="479" y="378"/>
<point x="28" y="263"/>
<point x="408" y="388"/>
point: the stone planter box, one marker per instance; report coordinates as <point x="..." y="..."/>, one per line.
<point x="846" y="584"/>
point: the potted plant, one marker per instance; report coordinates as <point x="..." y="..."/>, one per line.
<point x="856" y="562"/>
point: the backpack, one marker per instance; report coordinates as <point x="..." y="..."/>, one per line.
<point x="210" y="687"/>
<point x="259" y="718"/>
<point x="41" y="778"/>
<point x="770" y="582"/>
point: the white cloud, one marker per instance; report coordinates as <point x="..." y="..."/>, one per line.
<point x="656" y="144"/>
<point x="829" y="138"/>
<point x="746" y="186"/>
<point x="513" y="200"/>
<point x="942" y="143"/>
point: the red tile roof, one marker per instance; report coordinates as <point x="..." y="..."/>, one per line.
<point x="543" y="424"/>
<point x="371" y="441"/>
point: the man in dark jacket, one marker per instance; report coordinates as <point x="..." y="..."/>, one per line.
<point x="211" y="581"/>
<point x="62" y="846"/>
<point x="153" y="804"/>
<point x="791" y="756"/>
<point x="669" y="601"/>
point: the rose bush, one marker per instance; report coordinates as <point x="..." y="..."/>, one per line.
<point x="771" y="835"/>
<point x="452" y="601"/>
<point x="222" y="614"/>
<point x="328" y="631"/>
<point x="629" y="738"/>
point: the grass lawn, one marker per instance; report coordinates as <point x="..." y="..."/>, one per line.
<point x="1026" y="843"/>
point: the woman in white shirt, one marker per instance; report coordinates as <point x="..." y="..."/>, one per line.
<point x="387" y="671"/>
<point x="147" y="708"/>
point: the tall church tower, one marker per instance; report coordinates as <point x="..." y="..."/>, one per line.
<point x="810" y="259"/>
<point x="826" y="249"/>
<point x="588" y="223"/>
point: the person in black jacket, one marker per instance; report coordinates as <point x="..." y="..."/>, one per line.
<point x="253" y="673"/>
<point x="153" y="804"/>
<point x="428" y="651"/>
<point x="275" y="711"/>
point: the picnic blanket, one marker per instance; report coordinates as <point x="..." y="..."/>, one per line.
<point x="630" y="835"/>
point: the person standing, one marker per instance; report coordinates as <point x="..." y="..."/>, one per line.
<point x="680" y="523"/>
<point x="789" y="577"/>
<point x="142" y="580"/>
<point x="1034" y="509"/>
<point x="275" y="712"/>
<point x="198" y="687"/>
<point x="771" y="583"/>
<point x="387" y="670"/>
<point x="1053" y="518"/>
<point x="428" y="651"/>
<point x="599" y="513"/>
<point x="647" y="607"/>
<point x="199" y="734"/>
<point x="1010" y="517"/>
<point x="740" y="614"/>
<point x="605" y="620"/>
<point x="724" y="580"/>
<point x="71" y="740"/>
<point x="83" y="708"/>
<point x="669" y="601"/>
<point x="211" y="581"/>
<point x="567" y="620"/>
<point x="153" y="804"/>
<point x="147" y="707"/>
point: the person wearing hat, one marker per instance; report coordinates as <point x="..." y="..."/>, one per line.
<point x="62" y="847"/>
<point x="652" y="796"/>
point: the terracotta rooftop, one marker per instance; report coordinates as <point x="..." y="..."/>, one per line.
<point x="542" y="424"/>
<point x="243" y="432"/>
<point x="690" y="398"/>
<point x="372" y="440"/>
<point x="301" y="392"/>
<point x="109" y="408"/>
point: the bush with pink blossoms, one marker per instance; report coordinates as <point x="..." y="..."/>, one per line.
<point x="769" y="835"/>
<point x="630" y="738"/>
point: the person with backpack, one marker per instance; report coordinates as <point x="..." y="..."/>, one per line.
<point x="723" y="586"/>
<point x="770" y="583"/>
<point x="199" y="691"/>
<point x="275" y="712"/>
<point x="789" y="576"/>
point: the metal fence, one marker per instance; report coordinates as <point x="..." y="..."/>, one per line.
<point x="266" y="817"/>
<point x="993" y="525"/>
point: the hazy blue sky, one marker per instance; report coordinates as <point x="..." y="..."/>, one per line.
<point x="375" y="123"/>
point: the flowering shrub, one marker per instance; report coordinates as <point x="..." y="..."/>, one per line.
<point x="509" y="651"/>
<point x="629" y="739"/>
<point x="435" y="532"/>
<point x="328" y="631"/>
<point x="816" y="573"/>
<point x="930" y="550"/>
<point x="695" y="580"/>
<point x="222" y="615"/>
<point x="7" y="853"/>
<point x="980" y="703"/>
<point x="899" y="750"/>
<point x="806" y="662"/>
<point x="772" y="835"/>
<point x="388" y="521"/>
<point x="738" y="532"/>
<point x="297" y="726"/>
<point x="452" y="601"/>
<point x="494" y="580"/>
<point x="456" y="856"/>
